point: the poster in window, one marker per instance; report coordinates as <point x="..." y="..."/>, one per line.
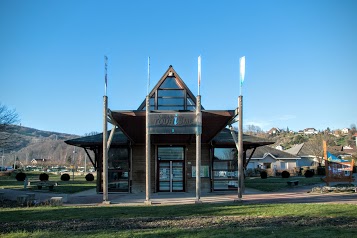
<point x="204" y="171"/>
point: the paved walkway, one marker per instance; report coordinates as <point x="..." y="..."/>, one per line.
<point x="292" y="195"/>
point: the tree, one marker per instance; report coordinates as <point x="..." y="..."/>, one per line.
<point x="8" y="117"/>
<point x="353" y="128"/>
<point x="253" y="130"/>
<point x="314" y="146"/>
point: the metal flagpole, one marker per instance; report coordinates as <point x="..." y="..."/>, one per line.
<point x="198" y="137"/>
<point x="148" y="143"/>
<point x="240" y="130"/>
<point x="105" y="129"/>
<point x="240" y="146"/>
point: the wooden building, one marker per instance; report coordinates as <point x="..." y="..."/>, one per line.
<point x="173" y="150"/>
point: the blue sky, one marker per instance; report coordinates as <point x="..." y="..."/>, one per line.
<point x="301" y="58"/>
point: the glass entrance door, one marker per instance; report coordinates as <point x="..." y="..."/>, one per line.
<point x="171" y="169"/>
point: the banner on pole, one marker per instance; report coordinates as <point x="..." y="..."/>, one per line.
<point x="242" y="69"/>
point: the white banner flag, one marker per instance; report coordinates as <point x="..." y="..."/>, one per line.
<point x="242" y="69"/>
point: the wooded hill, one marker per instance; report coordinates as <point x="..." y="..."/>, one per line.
<point x="49" y="147"/>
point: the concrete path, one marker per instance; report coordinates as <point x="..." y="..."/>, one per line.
<point x="91" y="198"/>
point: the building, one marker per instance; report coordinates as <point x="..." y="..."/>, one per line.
<point x="310" y="131"/>
<point x="173" y="144"/>
<point x="272" y="160"/>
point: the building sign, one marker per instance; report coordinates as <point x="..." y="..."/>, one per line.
<point x="174" y="123"/>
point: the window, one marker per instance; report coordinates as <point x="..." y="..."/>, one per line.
<point x="171" y="95"/>
<point x="225" y="169"/>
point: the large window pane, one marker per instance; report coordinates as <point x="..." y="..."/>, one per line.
<point x="170" y="153"/>
<point x="171" y="101"/>
<point x="224" y="153"/>
<point x="171" y="93"/>
<point x="170" y="82"/>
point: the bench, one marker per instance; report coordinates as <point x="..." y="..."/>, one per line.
<point x="56" y="201"/>
<point x="42" y="184"/>
<point x="293" y="183"/>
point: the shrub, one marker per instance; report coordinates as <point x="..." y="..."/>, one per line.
<point x="21" y="176"/>
<point x="43" y="177"/>
<point x="89" y="177"/>
<point x="263" y="174"/>
<point x="285" y="174"/>
<point x="65" y="177"/>
<point x="309" y="173"/>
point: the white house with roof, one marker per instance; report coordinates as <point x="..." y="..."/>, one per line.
<point x="273" y="160"/>
<point x="310" y="131"/>
<point x="306" y="156"/>
<point x="345" y="131"/>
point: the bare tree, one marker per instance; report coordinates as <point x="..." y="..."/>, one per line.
<point x="8" y="117"/>
<point x="314" y="146"/>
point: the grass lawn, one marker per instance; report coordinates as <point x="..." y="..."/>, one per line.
<point x="79" y="184"/>
<point x="273" y="184"/>
<point x="200" y="220"/>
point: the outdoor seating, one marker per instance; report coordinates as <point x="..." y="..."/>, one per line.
<point x="293" y="183"/>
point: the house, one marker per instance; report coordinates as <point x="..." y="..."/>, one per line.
<point x="272" y="160"/>
<point x="38" y="161"/>
<point x="345" y="131"/>
<point x="274" y="131"/>
<point x="310" y="131"/>
<point x="306" y="155"/>
<point x="166" y="124"/>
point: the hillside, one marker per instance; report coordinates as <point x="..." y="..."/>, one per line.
<point x="28" y="143"/>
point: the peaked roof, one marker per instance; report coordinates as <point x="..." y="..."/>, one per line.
<point x="263" y="151"/>
<point x="170" y="72"/>
<point x="295" y="149"/>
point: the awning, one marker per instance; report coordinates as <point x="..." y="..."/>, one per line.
<point x="133" y="125"/>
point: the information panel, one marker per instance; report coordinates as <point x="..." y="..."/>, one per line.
<point x="174" y="123"/>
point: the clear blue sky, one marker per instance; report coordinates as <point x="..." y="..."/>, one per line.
<point x="301" y="58"/>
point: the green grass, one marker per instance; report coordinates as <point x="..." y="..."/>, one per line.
<point x="273" y="184"/>
<point x="268" y="220"/>
<point x="79" y="184"/>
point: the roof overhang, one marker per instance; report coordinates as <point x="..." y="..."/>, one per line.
<point x="133" y="125"/>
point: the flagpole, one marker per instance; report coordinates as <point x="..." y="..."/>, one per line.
<point x="240" y="131"/>
<point x="147" y="93"/>
<point x="148" y="146"/>
<point x="198" y="136"/>
<point x="199" y="74"/>
<point x="105" y="139"/>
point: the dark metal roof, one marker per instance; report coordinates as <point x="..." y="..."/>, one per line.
<point x="97" y="140"/>
<point x="222" y="139"/>
<point x="225" y="139"/>
<point x="132" y="123"/>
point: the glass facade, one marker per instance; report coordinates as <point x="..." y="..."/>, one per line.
<point x="171" y="169"/>
<point x="118" y="170"/>
<point x="171" y="95"/>
<point x="225" y="169"/>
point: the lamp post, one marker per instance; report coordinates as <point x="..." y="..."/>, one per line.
<point x="74" y="152"/>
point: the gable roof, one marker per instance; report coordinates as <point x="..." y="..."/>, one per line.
<point x="263" y="151"/>
<point x="295" y="149"/>
<point x="170" y="72"/>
